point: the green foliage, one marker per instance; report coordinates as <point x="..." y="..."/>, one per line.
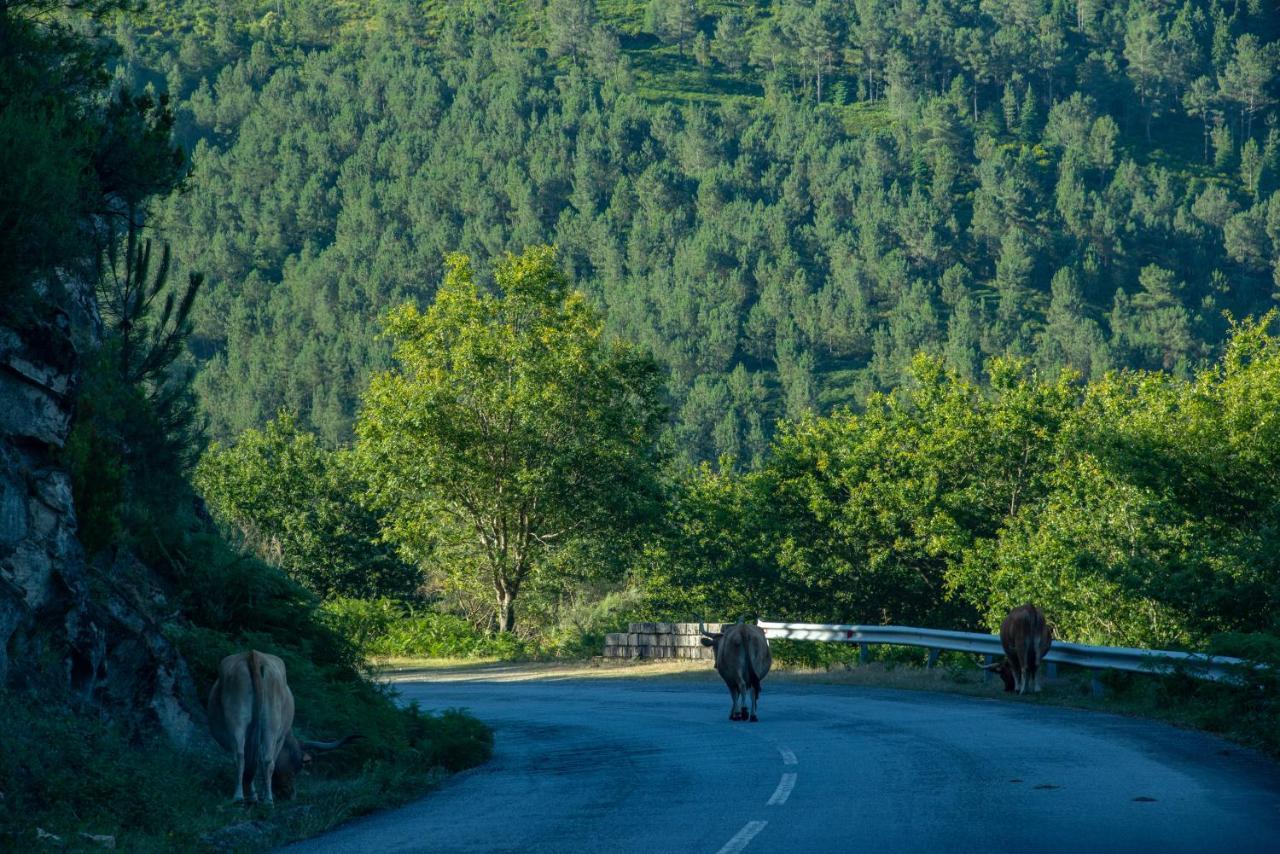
<point x="69" y="773"/>
<point x="1138" y="509"/>
<point x="580" y="625"/>
<point x="381" y="627"/>
<point x="78" y="163"/>
<point x="813" y="655"/>
<point x="296" y="505"/>
<point x="721" y="226"/>
<point x="510" y="427"/>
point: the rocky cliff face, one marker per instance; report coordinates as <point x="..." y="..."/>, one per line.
<point x="89" y="628"/>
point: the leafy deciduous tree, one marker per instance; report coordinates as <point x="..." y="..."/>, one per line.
<point x="510" y="427"/>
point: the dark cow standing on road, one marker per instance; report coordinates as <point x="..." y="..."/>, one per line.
<point x="742" y="660"/>
<point x="1026" y="637"/>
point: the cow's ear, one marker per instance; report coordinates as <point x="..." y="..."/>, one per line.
<point x="707" y="641"/>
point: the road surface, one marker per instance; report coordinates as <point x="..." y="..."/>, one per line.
<point x="654" y="765"/>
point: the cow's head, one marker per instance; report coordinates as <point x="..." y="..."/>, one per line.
<point x="711" y="639"/>
<point x="294" y="756"/>
<point x="1005" y="669"/>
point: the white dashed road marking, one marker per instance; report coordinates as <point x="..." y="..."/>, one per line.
<point x="743" y="837"/>
<point x="780" y="794"/>
<point x="788" y="758"/>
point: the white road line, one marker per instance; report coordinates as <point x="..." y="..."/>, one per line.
<point x="788" y="758"/>
<point x="743" y="837"/>
<point x="780" y="794"/>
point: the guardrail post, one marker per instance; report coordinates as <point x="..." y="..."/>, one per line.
<point x="933" y="658"/>
<point x="1095" y="684"/>
<point x="862" y="653"/>
<point x="1051" y="669"/>
<point x="987" y="659"/>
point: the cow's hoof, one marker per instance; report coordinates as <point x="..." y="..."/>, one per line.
<point x="754" y="719"/>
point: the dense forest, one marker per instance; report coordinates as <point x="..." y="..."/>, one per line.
<point x="783" y="202"/>
<point x="859" y="240"/>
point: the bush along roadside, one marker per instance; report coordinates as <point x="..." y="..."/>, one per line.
<point x="386" y="628"/>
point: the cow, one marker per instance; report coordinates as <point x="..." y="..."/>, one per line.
<point x="1026" y="637"/>
<point x="251" y="715"/>
<point x="742" y="660"/>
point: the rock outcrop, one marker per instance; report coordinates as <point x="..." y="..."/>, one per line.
<point x="90" y="628"/>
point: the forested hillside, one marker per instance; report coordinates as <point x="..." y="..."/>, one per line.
<point x="784" y="202"/>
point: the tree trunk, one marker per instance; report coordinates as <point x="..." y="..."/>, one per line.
<point x="505" y="617"/>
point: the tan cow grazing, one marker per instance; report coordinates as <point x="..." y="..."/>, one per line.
<point x="742" y="660"/>
<point x="1026" y="637"/>
<point x="251" y="715"/>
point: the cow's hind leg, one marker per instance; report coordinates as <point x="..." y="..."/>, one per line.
<point x="744" y="691"/>
<point x="755" y="698"/>
<point x="247" y="784"/>
<point x="268" y="772"/>
<point x="241" y="788"/>
<point x="733" y="709"/>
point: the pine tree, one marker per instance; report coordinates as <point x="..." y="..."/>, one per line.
<point x="729" y="47"/>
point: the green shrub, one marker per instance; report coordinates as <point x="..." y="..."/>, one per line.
<point x="68" y="773"/>
<point x="381" y="627"/>
<point x="815" y="655"/>
<point x="582" y="625"/>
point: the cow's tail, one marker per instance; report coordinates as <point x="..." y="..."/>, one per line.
<point x="753" y="678"/>
<point x="255" y="750"/>
<point x="1038" y="637"/>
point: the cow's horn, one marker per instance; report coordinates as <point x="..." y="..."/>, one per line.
<point x="993" y="666"/>
<point x="329" y="745"/>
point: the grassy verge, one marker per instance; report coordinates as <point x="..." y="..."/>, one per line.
<point x="66" y="777"/>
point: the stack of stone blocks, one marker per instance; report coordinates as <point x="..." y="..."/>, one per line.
<point x="659" y="640"/>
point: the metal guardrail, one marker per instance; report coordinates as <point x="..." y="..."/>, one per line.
<point x="1217" y="668"/>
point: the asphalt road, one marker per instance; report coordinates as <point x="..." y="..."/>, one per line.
<point x="654" y="765"/>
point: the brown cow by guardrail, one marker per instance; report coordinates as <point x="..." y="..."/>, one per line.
<point x="251" y="715"/>
<point x="1026" y="637"/>
<point x="742" y="660"/>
